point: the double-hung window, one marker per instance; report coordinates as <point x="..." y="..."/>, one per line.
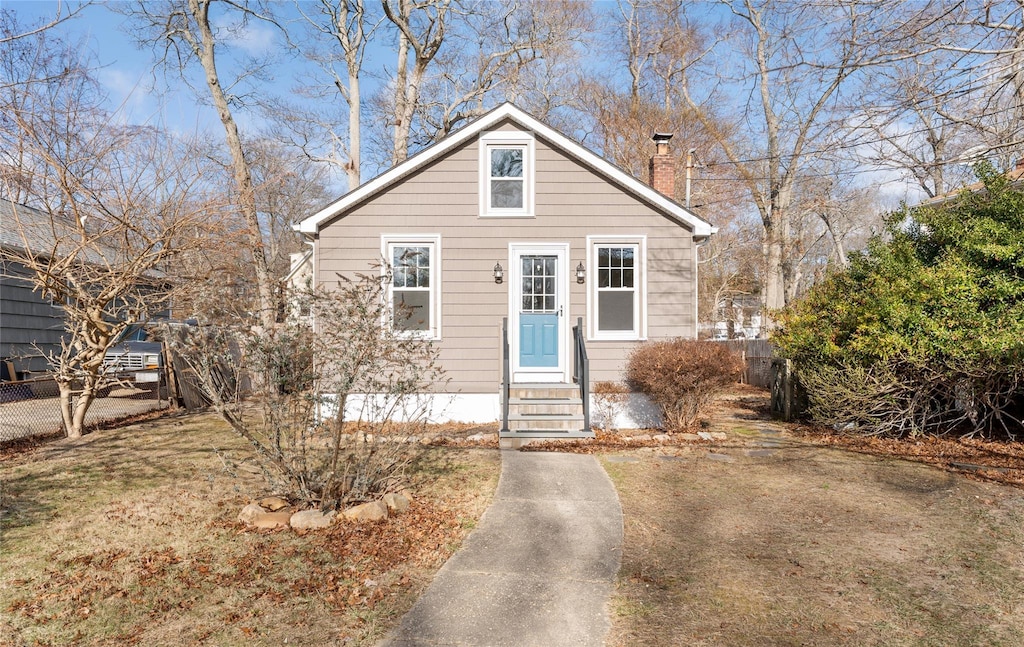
<point x="506" y="174"/>
<point x="414" y="290"/>
<point x="617" y="287"/>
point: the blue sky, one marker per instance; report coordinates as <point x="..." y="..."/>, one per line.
<point x="141" y="96"/>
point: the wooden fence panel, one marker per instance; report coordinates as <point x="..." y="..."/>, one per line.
<point x="757" y="360"/>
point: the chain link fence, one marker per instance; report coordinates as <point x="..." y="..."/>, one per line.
<point x="32" y="407"/>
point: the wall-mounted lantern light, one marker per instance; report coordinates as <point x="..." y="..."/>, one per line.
<point x="581" y="273"/>
<point x="499" y="274"/>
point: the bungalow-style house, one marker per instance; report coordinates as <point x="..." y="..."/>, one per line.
<point x="535" y="265"/>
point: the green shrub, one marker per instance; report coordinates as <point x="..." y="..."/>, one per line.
<point x="682" y="377"/>
<point x="924" y="332"/>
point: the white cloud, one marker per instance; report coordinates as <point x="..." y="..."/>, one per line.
<point x="253" y="39"/>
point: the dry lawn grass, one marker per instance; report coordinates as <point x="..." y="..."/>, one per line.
<point x="811" y="545"/>
<point x="128" y="536"/>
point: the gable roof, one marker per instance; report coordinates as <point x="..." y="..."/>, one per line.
<point x="700" y="227"/>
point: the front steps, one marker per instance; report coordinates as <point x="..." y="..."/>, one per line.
<point x="544" y="411"/>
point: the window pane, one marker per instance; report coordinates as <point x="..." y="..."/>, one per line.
<point x="399" y="278"/>
<point x="549" y="285"/>
<point x="602" y="257"/>
<point x="604" y="278"/>
<point x="538" y="303"/>
<point x="615" y="311"/>
<point x="627" y="256"/>
<point x="412" y="309"/>
<point x="506" y="162"/>
<point x="538" y="286"/>
<point x="627" y="278"/>
<point x="549" y="303"/>
<point x="527" y="301"/>
<point x="507" y="194"/>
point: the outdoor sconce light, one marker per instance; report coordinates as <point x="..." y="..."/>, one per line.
<point x="499" y="274"/>
<point x="581" y="273"/>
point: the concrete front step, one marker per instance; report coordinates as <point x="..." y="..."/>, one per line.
<point x="545" y="422"/>
<point x="543" y="410"/>
<point x="546" y="406"/>
<point x="543" y="391"/>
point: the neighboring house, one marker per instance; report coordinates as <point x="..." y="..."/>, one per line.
<point x="1015" y="176"/>
<point x="508" y="219"/>
<point x="31" y="326"/>
<point x="737" y="317"/>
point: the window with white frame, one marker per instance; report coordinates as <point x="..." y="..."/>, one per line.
<point x="506" y="174"/>
<point x="414" y="291"/>
<point x="617" y="293"/>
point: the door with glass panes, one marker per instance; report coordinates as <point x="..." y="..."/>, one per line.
<point x="538" y="313"/>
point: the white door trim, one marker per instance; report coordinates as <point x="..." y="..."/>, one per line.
<point x="515" y="252"/>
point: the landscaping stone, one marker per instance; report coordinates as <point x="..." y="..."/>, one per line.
<point x="272" y="503"/>
<point x="689" y="436"/>
<point x="249" y="513"/>
<point x="482" y="438"/>
<point x="372" y="511"/>
<point x="311" y="520"/>
<point x="704" y="435"/>
<point x="269" y="520"/>
<point x="396" y="503"/>
<point x="761" y="453"/>
<point x="662" y="438"/>
<point x="721" y="458"/>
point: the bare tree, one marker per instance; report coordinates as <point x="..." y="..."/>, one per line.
<point x="347" y="30"/>
<point x="119" y="205"/>
<point x="421" y="26"/>
<point x="11" y="31"/>
<point x="183" y="33"/>
<point x="791" y="68"/>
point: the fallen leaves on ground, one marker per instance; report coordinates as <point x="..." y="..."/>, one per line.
<point x="998" y="461"/>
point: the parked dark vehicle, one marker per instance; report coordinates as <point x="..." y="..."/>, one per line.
<point x="134" y="351"/>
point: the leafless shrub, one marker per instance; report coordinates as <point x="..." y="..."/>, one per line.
<point x="319" y="403"/>
<point x="900" y="399"/>
<point x="682" y="377"/>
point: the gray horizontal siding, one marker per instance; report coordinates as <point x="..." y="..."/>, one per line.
<point x="571" y="202"/>
<point x="30" y="327"/>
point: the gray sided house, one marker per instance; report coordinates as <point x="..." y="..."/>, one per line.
<point x="31" y="327"/>
<point x="507" y="220"/>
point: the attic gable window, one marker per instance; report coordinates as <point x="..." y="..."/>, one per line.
<point x="506" y="174"/>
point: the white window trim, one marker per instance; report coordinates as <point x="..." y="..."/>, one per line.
<point x="639" y="300"/>
<point x="429" y="240"/>
<point x="507" y="139"/>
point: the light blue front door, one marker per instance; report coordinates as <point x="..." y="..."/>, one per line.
<point x="539" y="317"/>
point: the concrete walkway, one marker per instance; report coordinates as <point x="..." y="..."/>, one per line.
<point x="537" y="571"/>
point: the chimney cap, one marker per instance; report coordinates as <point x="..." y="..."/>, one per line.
<point x="661" y="138"/>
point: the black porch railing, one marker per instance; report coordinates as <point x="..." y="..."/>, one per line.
<point x="581" y="370"/>
<point x="506" y="375"/>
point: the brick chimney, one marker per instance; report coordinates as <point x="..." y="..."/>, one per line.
<point x="663" y="166"/>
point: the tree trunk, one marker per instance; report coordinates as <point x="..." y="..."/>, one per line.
<point x="242" y="174"/>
